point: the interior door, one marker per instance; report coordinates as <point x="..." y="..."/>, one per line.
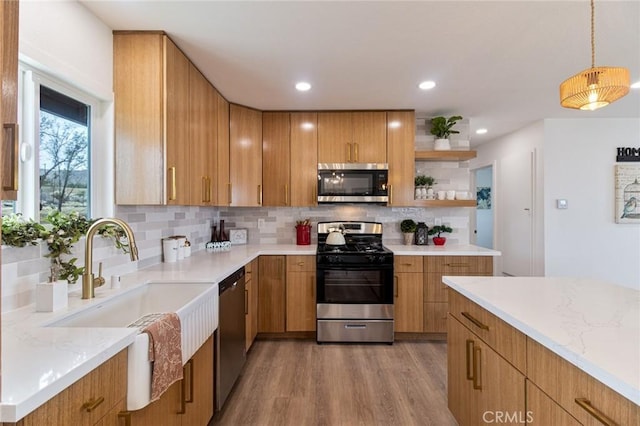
<point x="516" y="214"/>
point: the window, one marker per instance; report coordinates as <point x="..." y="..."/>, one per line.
<point x="63" y="153"/>
<point x="58" y="149"/>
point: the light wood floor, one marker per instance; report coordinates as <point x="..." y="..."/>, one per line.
<point x="303" y="383"/>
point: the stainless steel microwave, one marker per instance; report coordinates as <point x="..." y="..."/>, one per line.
<point x="353" y="183"/>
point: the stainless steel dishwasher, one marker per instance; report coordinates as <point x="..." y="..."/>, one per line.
<point x="230" y="354"/>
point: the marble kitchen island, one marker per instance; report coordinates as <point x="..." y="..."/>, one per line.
<point x="592" y="325"/>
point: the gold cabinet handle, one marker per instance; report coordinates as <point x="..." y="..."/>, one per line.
<point x="286" y="195"/>
<point x="246" y="301"/>
<point x="475" y="321"/>
<point x="126" y="415"/>
<point x="230" y="192"/>
<point x="356" y="157"/>
<point x="585" y="404"/>
<point x="300" y="263"/>
<point x="477" y="368"/>
<point x="457" y="265"/>
<point x="172" y="174"/>
<point x="191" y="366"/>
<point x="204" y="189"/>
<point x="183" y="392"/>
<point x="11" y="147"/>
<point x="469" y="359"/>
<point x="390" y="188"/>
<point x="312" y="279"/>
<point x="395" y="286"/>
<point x="259" y="195"/>
<point x="348" y="153"/>
<point x="92" y="404"/>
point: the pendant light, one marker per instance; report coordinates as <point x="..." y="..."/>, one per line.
<point x="597" y="86"/>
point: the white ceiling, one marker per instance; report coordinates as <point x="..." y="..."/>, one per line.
<point x="497" y="63"/>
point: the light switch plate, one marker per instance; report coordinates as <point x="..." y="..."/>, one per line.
<point x="238" y="236"/>
<point x="562" y="203"/>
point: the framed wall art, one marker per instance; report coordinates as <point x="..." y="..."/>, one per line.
<point x="627" y="181"/>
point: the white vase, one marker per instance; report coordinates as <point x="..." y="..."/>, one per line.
<point x="51" y="296"/>
<point x="442" y="145"/>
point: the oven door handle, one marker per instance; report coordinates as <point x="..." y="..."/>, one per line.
<point x="372" y="267"/>
<point x="355" y="326"/>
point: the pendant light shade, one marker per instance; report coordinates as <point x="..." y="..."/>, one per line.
<point x="595" y="87"/>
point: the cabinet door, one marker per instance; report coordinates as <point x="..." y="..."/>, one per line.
<point x="460" y="398"/>
<point x="435" y="317"/>
<point x="223" y="180"/>
<point x="199" y="386"/>
<point x="369" y="140"/>
<point x="9" y="73"/>
<point x="335" y="137"/>
<point x="301" y="301"/>
<point x="203" y="132"/>
<point x="271" y="295"/>
<point x="253" y="301"/>
<point x="544" y="411"/>
<point x="165" y="411"/>
<point x="115" y="416"/>
<point x="177" y="143"/>
<point x="275" y="159"/>
<point x="401" y="129"/>
<point x="245" y="141"/>
<point x="248" y="292"/>
<point x="408" y="302"/>
<point x="304" y="152"/>
<point x="139" y="144"/>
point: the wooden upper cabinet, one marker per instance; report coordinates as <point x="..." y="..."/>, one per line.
<point x="222" y="191"/>
<point x="352" y="137"/>
<point x="203" y="133"/>
<point x="304" y="159"/>
<point x="9" y="110"/>
<point x="245" y="148"/>
<point x="151" y="84"/>
<point x="276" y="159"/>
<point x="401" y="129"/>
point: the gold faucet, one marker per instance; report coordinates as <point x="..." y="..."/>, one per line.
<point x="89" y="282"/>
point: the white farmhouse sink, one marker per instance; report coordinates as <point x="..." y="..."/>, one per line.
<point x="195" y="303"/>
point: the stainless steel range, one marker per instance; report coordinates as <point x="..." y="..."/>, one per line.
<point x="354" y="283"/>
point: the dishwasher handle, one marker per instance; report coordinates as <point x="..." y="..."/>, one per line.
<point x="231" y="281"/>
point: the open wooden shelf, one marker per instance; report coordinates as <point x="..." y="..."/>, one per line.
<point x="445" y="156"/>
<point x="444" y="203"/>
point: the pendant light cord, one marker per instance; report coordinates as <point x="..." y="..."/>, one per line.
<point x="593" y="35"/>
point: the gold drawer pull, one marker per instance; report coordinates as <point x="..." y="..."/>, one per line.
<point x="475" y="321"/>
<point x="172" y="175"/>
<point x="126" y="415"/>
<point x="300" y="263"/>
<point x="585" y="404"/>
<point x="457" y="265"/>
<point x="469" y="358"/>
<point x="477" y="369"/>
<point x="92" y="404"/>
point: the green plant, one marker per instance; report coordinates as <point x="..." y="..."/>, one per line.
<point x="441" y="127"/>
<point x="408" y="226"/>
<point x="61" y="231"/>
<point x="19" y="232"/>
<point x="438" y="229"/>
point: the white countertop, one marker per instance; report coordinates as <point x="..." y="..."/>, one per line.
<point x="592" y="324"/>
<point x="39" y="362"/>
<point x="445" y="250"/>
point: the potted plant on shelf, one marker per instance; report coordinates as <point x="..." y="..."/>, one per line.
<point x="438" y="229"/>
<point x="408" y="228"/>
<point x="423" y="187"/>
<point x="441" y="128"/>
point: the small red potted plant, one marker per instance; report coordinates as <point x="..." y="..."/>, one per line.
<point x="438" y="229"/>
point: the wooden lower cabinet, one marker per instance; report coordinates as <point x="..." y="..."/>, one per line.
<point x="435" y="317"/>
<point x="252" y="277"/>
<point x="95" y="399"/>
<point x="544" y="411"/>
<point x="301" y="293"/>
<point x="271" y="294"/>
<point x="188" y="402"/>
<point x="482" y="386"/>
<point x="408" y="290"/>
<point x="581" y="395"/>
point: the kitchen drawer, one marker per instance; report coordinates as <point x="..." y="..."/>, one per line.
<point x="544" y="411"/>
<point x="297" y="263"/>
<point x="565" y="383"/>
<point x="435" y="317"/>
<point x="503" y="338"/>
<point x="407" y="264"/>
<point x="459" y="265"/>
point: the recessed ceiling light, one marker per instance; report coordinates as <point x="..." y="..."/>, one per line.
<point x="303" y="86"/>
<point x="481" y="131"/>
<point x="636" y="85"/>
<point x="426" y="85"/>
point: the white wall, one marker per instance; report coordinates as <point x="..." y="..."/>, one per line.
<point x="66" y="40"/>
<point x="584" y="240"/>
<point x="527" y="139"/>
